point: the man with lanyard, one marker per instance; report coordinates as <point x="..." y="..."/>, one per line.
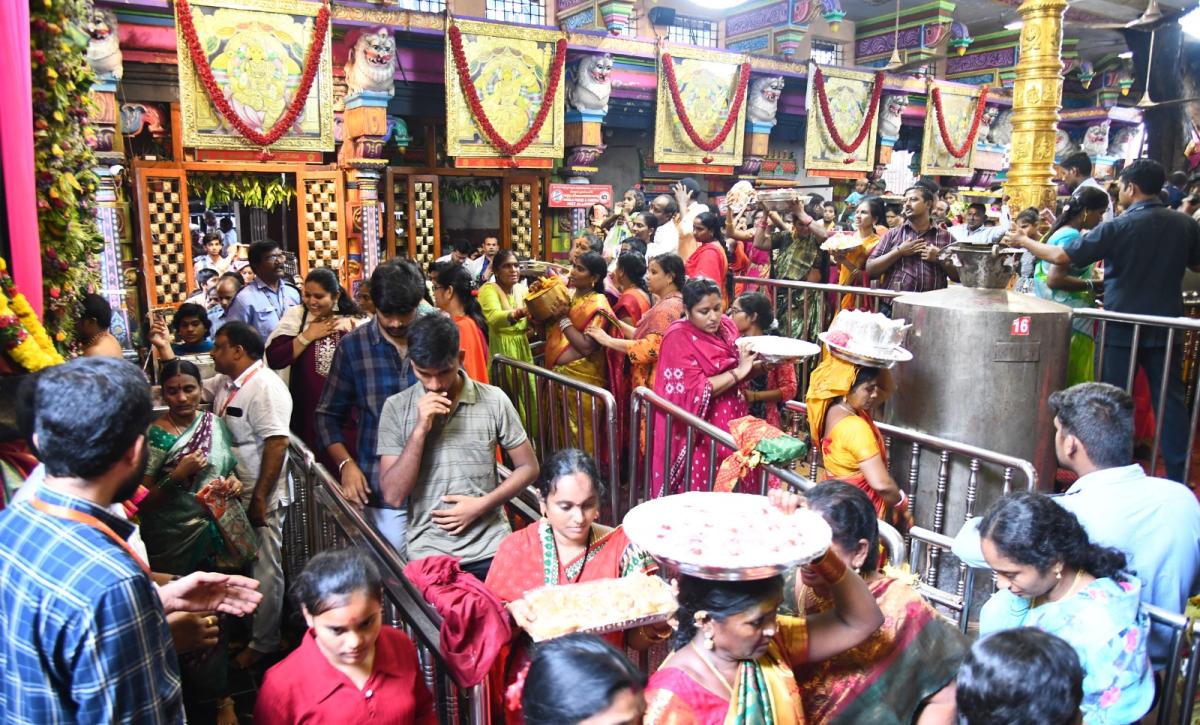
<point x="1146" y="251"/>
<point x="908" y="255"/>
<point x="257" y="409"/>
<point x="265" y="298"/>
<point x="369" y="366"/>
<point x="85" y="636"/>
<point x="491" y="245"/>
<point x="1076" y="172"/>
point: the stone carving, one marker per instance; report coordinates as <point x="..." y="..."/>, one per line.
<point x="763" y="103"/>
<point x="1002" y="128"/>
<point x="889" y="120"/>
<point x="104" y="50"/>
<point x="1063" y="145"/>
<point x="985" y="123"/>
<point x="372" y="63"/>
<point x="1118" y="147"/>
<point x="591" y="85"/>
<point x="1095" y="141"/>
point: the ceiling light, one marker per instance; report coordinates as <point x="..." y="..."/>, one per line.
<point x="1014" y="25"/>
<point x="1126" y="55"/>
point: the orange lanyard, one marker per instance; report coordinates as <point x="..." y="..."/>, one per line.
<point x="70" y="514"/>
<point x="238" y="389"/>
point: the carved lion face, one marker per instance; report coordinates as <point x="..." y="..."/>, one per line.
<point x="896" y="104"/>
<point x="100" y="24"/>
<point x="377" y="48"/>
<point x="599" y="67"/>
<point x="770" y="88"/>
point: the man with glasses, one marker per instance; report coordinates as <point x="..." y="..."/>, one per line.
<point x="264" y="299"/>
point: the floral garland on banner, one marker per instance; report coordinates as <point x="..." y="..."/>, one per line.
<point x="738" y="97"/>
<point x="21" y="333"/>
<point x="958" y="152"/>
<point x="868" y="117"/>
<point x="200" y="61"/>
<point x="471" y="93"/>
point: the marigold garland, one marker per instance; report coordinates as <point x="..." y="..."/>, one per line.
<point x="312" y="62"/>
<point x="868" y="117"/>
<point x="956" y="151"/>
<point x="22" y="334"/>
<point x="463" y="69"/>
<point x="738" y="97"/>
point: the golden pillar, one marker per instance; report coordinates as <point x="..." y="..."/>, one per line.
<point x="1037" y="96"/>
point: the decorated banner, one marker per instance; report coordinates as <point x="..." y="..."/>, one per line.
<point x="700" y="117"/>
<point x="255" y="73"/>
<point x="842" y="108"/>
<point x="951" y="127"/>
<point x="504" y="95"/>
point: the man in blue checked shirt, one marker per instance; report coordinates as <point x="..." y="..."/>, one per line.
<point x="369" y="366"/>
<point x="83" y="634"/>
<point x="265" y="298"/>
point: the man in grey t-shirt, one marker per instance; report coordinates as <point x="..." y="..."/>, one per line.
<point x="437" y="448"/>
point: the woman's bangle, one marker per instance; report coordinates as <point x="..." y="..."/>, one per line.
<point x="564" y="323"/>
<point x="829" y="567"/>
<point x="303" y="340"/>
<point x="342" y="465"/>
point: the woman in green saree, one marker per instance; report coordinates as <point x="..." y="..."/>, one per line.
<point x="503" y="303"/>
<point x="190" y="449"/>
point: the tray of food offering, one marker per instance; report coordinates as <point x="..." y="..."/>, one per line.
<point x="842" y="242"/>
<point x="603" y="605"/>
<point x="775" y="350"/>
<point x="726" y="536"/>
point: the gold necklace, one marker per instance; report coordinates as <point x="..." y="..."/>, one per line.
<point x="1070" y="592"/>
<point x="713" y="669"/>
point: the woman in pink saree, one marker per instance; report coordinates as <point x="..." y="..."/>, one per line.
<point x="701" y="370"/>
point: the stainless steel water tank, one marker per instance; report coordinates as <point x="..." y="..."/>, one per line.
<point x="984" y="362"/>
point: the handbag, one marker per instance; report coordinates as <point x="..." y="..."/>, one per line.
<point x="241" y="545"/>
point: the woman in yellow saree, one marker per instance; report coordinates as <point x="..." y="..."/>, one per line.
<point x="571" y="352"/>
<point x="733" y="656"/>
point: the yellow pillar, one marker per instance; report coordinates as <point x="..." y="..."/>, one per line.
<point x="1037" y="97"/>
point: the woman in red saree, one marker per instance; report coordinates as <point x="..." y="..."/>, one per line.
<point x="841" y="396"/>
<point x="701" y="370"/>
<point x="566" y="546"/>
<point x="904" y="672"/>
<point x="630" y="279"/>
<point x="710" y="259"/>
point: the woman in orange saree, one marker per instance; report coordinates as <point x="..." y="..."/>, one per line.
<point x="840" y="398"/>
<point x="904" y="672"/>
<point x="571" y="352"/>
<point x="566" y="546"/>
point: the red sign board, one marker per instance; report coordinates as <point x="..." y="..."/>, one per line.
<point x="579" y="196"/>
<point x="1020" y="326"/>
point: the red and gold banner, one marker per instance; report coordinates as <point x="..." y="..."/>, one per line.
<point x="700" y="118"/>
<point x="951" y="129"/>
<point x="843" y="108"/>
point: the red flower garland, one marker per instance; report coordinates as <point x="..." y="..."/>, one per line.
<point x="738" y="97"/>
<point x="955" y="151"/>
<point x="868" y="118"/>
<point x="294" y="109"/>
<point x="472" y="95"/>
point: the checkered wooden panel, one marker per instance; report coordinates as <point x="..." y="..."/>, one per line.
<point x="520" y="221"/>
<point x="398" y="203"/>
<point x="321" y="223"/>
<point x="424" y="234"/>
<point x="168" y="227"/>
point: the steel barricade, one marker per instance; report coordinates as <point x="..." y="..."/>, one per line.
<point x="547" y="403"/>
<point x="642" y="422"/>
<point x="924" y="553"/>
<point x="1177" y="686"/>
<point x="320" y="519"/>
<point x="1181" y="363"/>
<point x="804" y="309"/>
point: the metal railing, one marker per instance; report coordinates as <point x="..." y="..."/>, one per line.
<point x="550" y="405"/>
<point x="926" y="548"/>
<point x="1177" y="686"/>
<point x="1179" y="369"/>
<point x="804" y="309"/>
<point x="646" y="403"/>
<point x="319" y="519"/>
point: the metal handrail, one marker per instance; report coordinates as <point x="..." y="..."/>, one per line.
<point x="820" y="287"/>
<point x="506" y="371"/>
<point x="644" y="398"/>
<point x="318" y="500"/>
<point x="1183" y="663"/>
<point x="932" y="544"/>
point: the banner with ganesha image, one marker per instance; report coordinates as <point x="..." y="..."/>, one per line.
<point x="849" y="100"/>
<point x="258" y="51"/>
<point x="701" y="109"/>
<point x="951" y="129"/>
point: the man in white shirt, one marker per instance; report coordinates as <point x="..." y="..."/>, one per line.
<point x="975" y="231"/>
<point x="462" y="252"/>
<point x="666" y="236"/>
<point x="1077" y="171"/>
<point x="1153" y="521"/>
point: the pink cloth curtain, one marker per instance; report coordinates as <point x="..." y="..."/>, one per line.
<point x="16" y="150"/>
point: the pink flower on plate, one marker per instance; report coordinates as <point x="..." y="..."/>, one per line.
<point x="1109" y="697"/>
<point x="1132" y="637"/>
<point x="839" y="338"/>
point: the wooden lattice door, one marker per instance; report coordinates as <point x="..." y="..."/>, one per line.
<point x="520" y="214"/>
<point x="319" y="208"/>
<point x="413" y="217"/>
<point x="165" y="235"/>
